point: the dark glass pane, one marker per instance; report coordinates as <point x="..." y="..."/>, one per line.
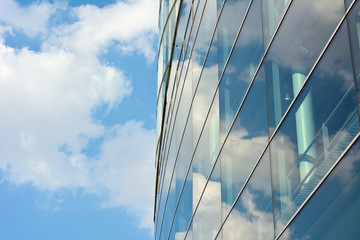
<point x="348" y="2"/>
<point x="353" y="21"/>
<point x="272" y="11"/>
<point x="333" y="211"/>
<point x="318" y="127"/>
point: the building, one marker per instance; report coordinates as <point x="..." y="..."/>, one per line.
<point x="258" y="120"/>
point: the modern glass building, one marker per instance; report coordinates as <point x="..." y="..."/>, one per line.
<point x="258" y="120"/>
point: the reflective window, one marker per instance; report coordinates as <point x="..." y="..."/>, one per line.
<point x="318" y="127"/>
<point x="183" y="211"/>
<point x="272" y="11"/>
<point x="205" y="92"/>
<point x="229" y="23"/>
<point x="242" y="65"/>
<point x="302" y="36"/>
<point x="348" y="2"/>
<point x="182" y="26"/>
<point x="198" y="8"/>
<point x="206" y="151"/>
<point x="167" y="39"/>
<point x="183" y="111"/>
<point x="353" y="21"/>
<point x="245" y="143"/>
<point x="188" y="234"/>
<point x="333" y="211"/>
<point x="252" y="215"/>
<point x="168" y="213"/>
<point x="183" y="159"/>
<point x="160" y="105"/>
<point x="166" y="180"/>
<point x="207" y="219"/>
<point x="203" y="39"/>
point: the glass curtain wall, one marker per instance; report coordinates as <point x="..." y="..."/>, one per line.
<point x="259" y="120"/>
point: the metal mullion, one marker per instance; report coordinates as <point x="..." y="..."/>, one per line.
<point x="261" y="61"/>
<point x="215" y="28"/>
<point x="176" y="111"/>
<point x="166" y="22"/>
<point x="319" y="184"/>
<point x="295" y="97"/>
<point x="236" y="38"/>
<point x="188" y="115"/>
<point x="216" y="91"/>
<point x="164" y="108"/>
<point x="349" y="145"/>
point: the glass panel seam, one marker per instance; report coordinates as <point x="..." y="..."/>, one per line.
<point x="236" y="38"/>
<point x="187" y="120"/>
<point x="300" y="89"/>
<point x="205" y="120"/>
<point x="319" y="184"/>
<point x="166" y="22"/>
<point x="190" y="108"/>
<point x="353" y="67"/>
<point x="242" y="189"/>
<point x="172" y="131"/>
<point x="169" y="69"/>
<point x="177" y="108"/>
<point x="311" y="71"/>
<point x="261" y="61"/>
<point x="161" y="84"/>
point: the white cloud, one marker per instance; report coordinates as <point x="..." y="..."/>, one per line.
<point x="31" y="20"/>
<point x="126" y="169"/>
<point x="132" y="25"/>
<point x="47" y="100"/>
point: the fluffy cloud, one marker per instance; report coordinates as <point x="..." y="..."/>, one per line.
<point x="131" y="25"/>
<point x="47" y="101"/>
<point x="31" y="20"/>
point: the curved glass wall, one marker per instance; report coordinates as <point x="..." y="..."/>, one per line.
<point x="258" y="119"/>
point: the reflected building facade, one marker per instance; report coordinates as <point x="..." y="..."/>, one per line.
<point x="258" y="120"/>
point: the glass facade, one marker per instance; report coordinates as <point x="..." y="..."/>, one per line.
<point x="258" y="120"/>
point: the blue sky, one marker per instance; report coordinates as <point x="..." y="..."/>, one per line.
<point x="77" y="129"/>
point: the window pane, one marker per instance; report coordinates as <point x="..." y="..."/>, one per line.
<point x="205" y="92"/>
<point x="229" y="23"/>
<point x="319" y="126"/>
<point x="206" y="30"/>
<point x="353" y="21"/>
<point x="333" y="211"/>
<point x="207" y="150"/>
<point x="252" y="215"/>
<point x="245" y="143"/>
<point x="272" y="11"/>
<point x="241" y="68"/>
<point x="183" y="211"/>
<point x="207" y="218"/>
<point x="302" y="36"/>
